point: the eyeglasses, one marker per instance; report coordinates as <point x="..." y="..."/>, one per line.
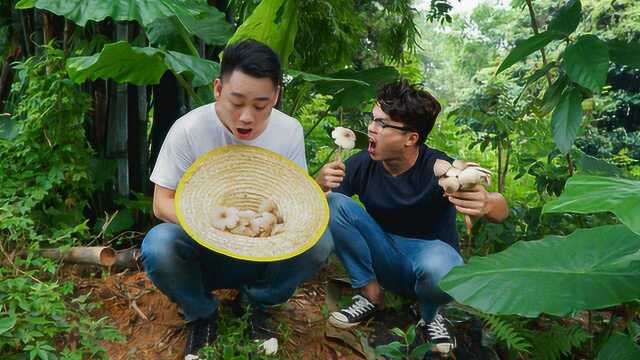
<point x="380" y="123"/>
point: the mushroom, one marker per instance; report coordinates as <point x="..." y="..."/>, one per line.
<point x="225" y="218"/>
<point x="246" y="216"/>
<point x="344" y="138"/>
<point x="441" y="167"/>
<point x="263" y="223"/>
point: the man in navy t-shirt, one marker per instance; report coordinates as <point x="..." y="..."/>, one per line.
<point x="406" y="239"/>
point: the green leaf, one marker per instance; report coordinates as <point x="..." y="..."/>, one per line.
<point x="525" y="48"/>
<point x="566" y="119"/>
<point x="273" y="22"/>
<point x="593" y="194"/>
<point x="8" y="127"/>
<point x="197" y="17"/>
<point x="619" y="347"/>
<point x="140" y="66"/>
<point x="420" y="351"/>
<point x="587" y="62"/>
<point x="553" y="94"/>
<point x="314" y="78"/>
<point x="7" y="323"/>
<point x="352" y="96"/>
<point x="566" y="20"/>
<point x="624" y="53"/>
<point x="588" y="269"/>
<point x="392" y="350"/>
<point x="590" y="165"/>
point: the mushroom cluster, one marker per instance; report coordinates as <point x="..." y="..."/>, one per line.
<point x="460" y="175"/>
<point x="265" y="222"/>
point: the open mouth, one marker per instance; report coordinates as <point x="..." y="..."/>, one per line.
<point x="244" y="132"/>
<point x="372" y="145"/>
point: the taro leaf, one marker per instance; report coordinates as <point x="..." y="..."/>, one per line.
<point x="273" y="22"/>
<point x="624" y="53"/>
<point x="140" y="66"/>
<point x="587" y="62"/>
<point x="525" y="48"/>
<point x="619" y="347"/>
<point x="566" y="119"/>
<point x="566" y="20"/>
<point x="585" y="194"/>
<point x="588" y="269"/>
<point x="197" y="17"/>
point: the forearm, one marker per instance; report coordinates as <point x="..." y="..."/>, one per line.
<point x="498" y="208"/>
<point x="165" y="211"/>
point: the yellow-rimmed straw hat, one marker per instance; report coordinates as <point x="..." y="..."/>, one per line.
<point x="242" y="176"/>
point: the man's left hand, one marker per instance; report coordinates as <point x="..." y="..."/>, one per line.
<point x="474" y="202"/>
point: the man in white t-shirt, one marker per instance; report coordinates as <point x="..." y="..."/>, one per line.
<point x="246" y="92"/>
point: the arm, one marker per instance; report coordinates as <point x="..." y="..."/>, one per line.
<point x="163" y="206"/>
<point x="477" y="202"/>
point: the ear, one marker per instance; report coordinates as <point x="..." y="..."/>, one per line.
<point x="217" y="88"/>
<point x="275" y="100"/>
<point x="412" y="139"/>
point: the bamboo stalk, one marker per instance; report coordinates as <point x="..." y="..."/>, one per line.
<point x="91" y="255"/>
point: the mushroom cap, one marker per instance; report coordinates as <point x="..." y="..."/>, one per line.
<point x="224" y="218"/>
<point x="440" y="167"/>
<point x="472" y="176"/>
<point x="453" y="172"/>
<point x="449" y="184"/>
<point x="344" y="138"/>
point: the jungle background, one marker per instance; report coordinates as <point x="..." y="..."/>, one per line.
<point x="544" y="93"/>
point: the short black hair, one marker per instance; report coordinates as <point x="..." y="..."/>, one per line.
<point x="252" y="58"/>
<point x="410" y="105"/>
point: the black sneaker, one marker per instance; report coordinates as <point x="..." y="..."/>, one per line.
<point x="361" y="309"/>
<point x="261" y="332"/>
<point x="437" y="333"/>
<point x="201" y="333"/>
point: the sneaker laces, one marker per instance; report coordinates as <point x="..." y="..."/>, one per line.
<point x="360" y="306"/>
<point x="437" y="328"/>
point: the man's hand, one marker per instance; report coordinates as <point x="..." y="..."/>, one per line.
<point x="477" y="202"/>
<point x="331" y="175"/>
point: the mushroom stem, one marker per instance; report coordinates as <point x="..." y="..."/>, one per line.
<point x="468" y="224"/>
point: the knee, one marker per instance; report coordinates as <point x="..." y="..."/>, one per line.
<point x="160" y="244"/>
<point x="340" y="206"/>
<point x="320" y="252"/>
<point x="435" y="265"/>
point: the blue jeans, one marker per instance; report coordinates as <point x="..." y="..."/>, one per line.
<point x="187" y="272"/>
<point x="406" y="266"/>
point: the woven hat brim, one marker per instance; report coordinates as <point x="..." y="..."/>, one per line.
<point x="241" y="176"/>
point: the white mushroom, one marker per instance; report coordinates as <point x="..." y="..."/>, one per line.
<point x="453" y="172"/>
<point x="277" y="229"/>
<point x="263" y="223"/>
<point x="449" y="184"/>
<point x="224" y="218"/>
<point x="344" y="138"/>
<point x="440" y="167"/>
<point x="472" y="176"/>
<point x="246" y="216"/>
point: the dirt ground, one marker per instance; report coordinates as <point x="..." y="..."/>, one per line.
<point x="154" y="329"/>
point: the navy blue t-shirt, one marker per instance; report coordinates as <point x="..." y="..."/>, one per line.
<point x="411" y="204"/>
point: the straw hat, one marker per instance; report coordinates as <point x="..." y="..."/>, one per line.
<point x="241" y="176"/>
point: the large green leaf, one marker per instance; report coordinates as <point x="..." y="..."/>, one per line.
<point x="8" y="127"/>
<point x="566" y="20"/>
<point x="590" y="165"/>
<point x="587" y="62"/>
<point x="625" y="53"/>
<point x="353" y="95"/>
<point x="566" y="119"/>
<point x="140" y="66"/>
<point x="593" y="194"/>
<point x="314" y="78"/>
<point x="619" y="347"/>
<point x="525" y="48"/>
<point x="273" y="22"/>
<point x="588" y="269"/>
<point x="196" y="16"/>
<point x="554" y="93"/>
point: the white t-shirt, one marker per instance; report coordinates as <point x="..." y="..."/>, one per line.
<point x="200" y="131"/>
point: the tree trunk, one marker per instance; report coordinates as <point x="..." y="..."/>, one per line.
<point x="6" y="76"/>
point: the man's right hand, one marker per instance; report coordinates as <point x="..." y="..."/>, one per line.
<point x="331" y="175"/>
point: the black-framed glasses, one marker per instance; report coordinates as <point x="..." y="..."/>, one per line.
<point x="380" y="123"/>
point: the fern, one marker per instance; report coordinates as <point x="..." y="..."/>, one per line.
<point x="506" y="332"/>
<point x="553" y="343"/>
